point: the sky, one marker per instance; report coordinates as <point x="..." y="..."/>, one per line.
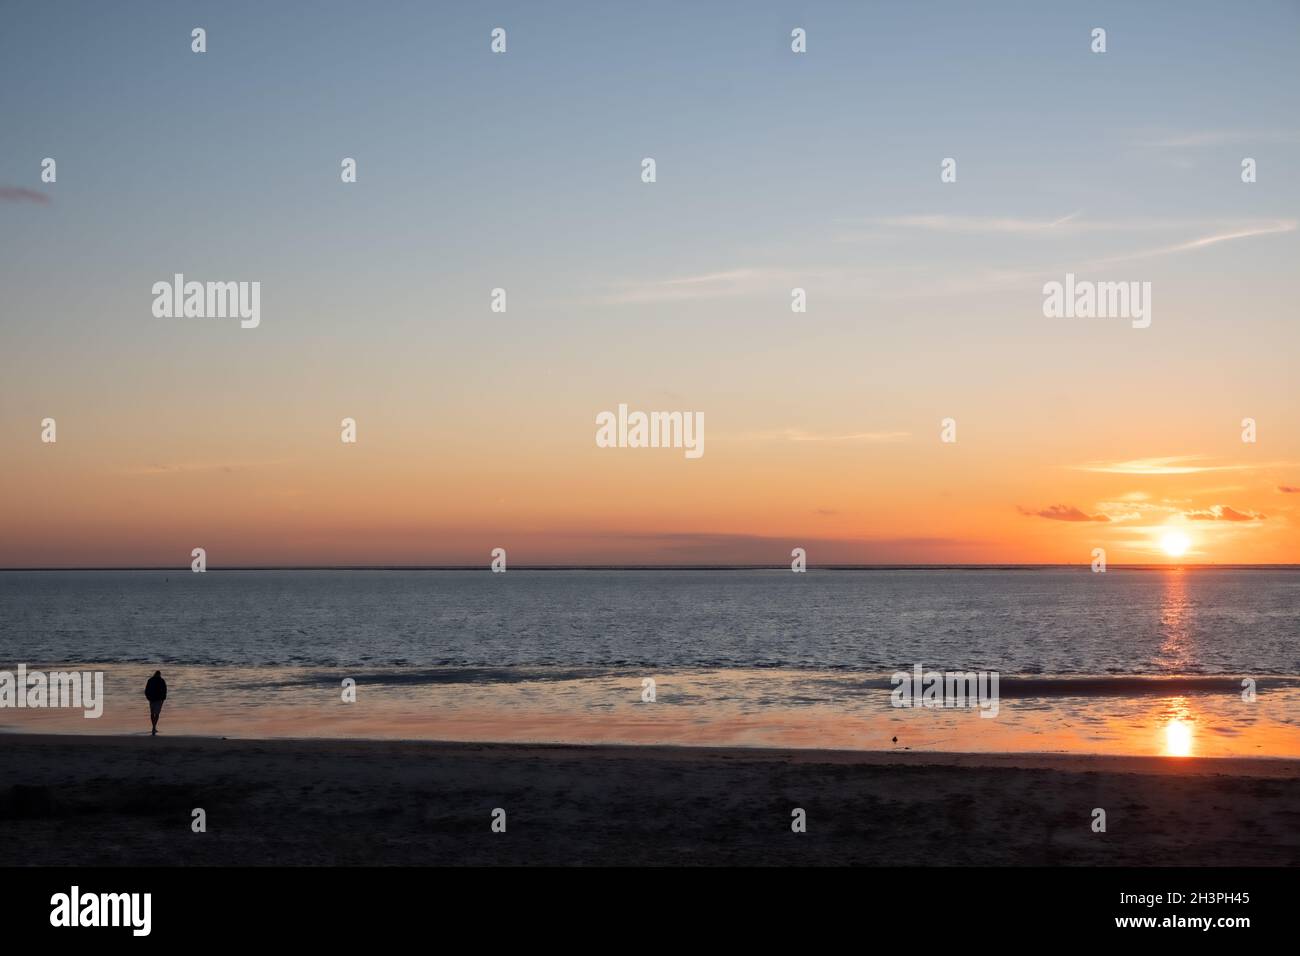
<point x="775" y="170"/>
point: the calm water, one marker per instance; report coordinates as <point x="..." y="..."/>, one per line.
<point x="1047" y="622"/>
<point x="1129" y="662"/>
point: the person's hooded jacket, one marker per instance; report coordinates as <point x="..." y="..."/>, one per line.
<point x="156" y="689"/>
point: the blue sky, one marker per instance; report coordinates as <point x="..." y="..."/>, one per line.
<point x="774" y="170"/>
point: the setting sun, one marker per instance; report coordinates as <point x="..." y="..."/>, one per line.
<point x="1175" y="544"/>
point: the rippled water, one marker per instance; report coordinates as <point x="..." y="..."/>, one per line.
<point x="1019" y="622"/>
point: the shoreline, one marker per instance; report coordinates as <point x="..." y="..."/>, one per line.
<point x="128" y="800"/>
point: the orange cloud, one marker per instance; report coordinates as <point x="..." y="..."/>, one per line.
<point x="1222" y="513"/>
<point x="1063" y="513"/>
<point x="1173" y="465"/>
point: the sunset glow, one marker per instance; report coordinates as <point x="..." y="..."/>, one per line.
<point x="846" y="437"/>
<point x="477" y="429"/>
<point x="1175" y="544"/>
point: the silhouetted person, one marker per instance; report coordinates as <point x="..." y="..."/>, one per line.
<point x="156" y="692"/>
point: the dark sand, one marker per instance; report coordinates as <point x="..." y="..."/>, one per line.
<point x="128" y="800"/>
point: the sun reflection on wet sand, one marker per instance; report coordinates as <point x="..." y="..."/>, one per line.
<point x="1177" y="726"/>
<point x="1178" y="739"/>
<point x="732" y="707"/>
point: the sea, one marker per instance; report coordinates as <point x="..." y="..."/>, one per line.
<point x="1193" y="661"/>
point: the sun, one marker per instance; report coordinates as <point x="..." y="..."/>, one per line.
<point x="1175" y="544"/>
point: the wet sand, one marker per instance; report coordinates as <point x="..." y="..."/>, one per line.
<point x="717" y="707"/>
<point x="73" y="800"/>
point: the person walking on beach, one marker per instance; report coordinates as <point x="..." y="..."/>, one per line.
<point x="156" y="691"/>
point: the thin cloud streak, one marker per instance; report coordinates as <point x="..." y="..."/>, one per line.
<point x="742" y="281"/>
<point x="1222" y="513"/>
<point x="978" y="224"/>
<point x="710" y="285"/>
<point x="19" y="194"/>
<point x="201" y="468"/>
<point x="1065" y="225"/>
<point x="1170" y="465"/>
<point x="1280" y="226"/>
<point x="798" y="435"/>
<point x="1221" y="137"/>
<point x="1062" y="513"/>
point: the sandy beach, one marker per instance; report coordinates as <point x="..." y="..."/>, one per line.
<point x="121" y="800"/>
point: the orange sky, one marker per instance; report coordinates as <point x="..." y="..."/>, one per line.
<point x="776" y="171"/>
<point x="408" y="493"/>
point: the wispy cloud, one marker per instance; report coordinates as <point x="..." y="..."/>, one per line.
<point x="1173" y="465"/>
<point x="1204" y="234"/>
<point x="1240" y="232"/>
<point x="799" y="435"/>
<point x="1075" y="223"/>
<point x="1222" y="513"/>
<point x="190" y="468"/>
<point x="709" y="285"/>
<point x="1062" y="513"/>
<point x="1219" y="137"/>
<point x="764" y="281"/>
<point x="713" y="278"/>
<point x="18" y="194"/>
<point x="1128" y="509"/>
<point x="977" y="224"/>
<point x="1137" y="506"/>
<point x="925" y="282"/>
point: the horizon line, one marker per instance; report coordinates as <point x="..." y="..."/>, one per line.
<point x="1010" y="566"/>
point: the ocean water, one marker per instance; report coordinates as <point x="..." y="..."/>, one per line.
<point x="1048" y="622"/>
<point x="1127" y="662"/>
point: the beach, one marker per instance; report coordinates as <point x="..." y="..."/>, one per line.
<point x="653" y="717"/>
<point x="130" y="800"/>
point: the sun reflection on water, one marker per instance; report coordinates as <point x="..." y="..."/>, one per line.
<point x="1176" y="609"/>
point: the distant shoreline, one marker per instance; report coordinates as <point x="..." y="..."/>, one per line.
<point x="177" y="569"/>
